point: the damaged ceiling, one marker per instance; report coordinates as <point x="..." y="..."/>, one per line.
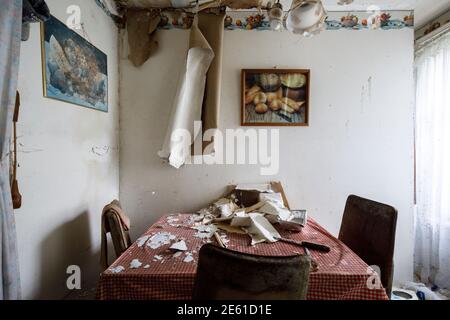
<point x="425" y="9"/>
<point x="234" y="4"/>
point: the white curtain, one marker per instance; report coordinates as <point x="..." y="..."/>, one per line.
<point x="432" y="253"/>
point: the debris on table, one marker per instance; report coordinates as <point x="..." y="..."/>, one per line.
<point x="142" y="240"/>
<point x="135" y="264"/>
<point x="189" y="257"/>
<point x="117" y="269"/>
<point x="264" y="209"/>
<point x="160" y="239"/>
<point x="177" y="254"/>
<point x="180" y="246"/>
<point x="158" y="258"/>
<point x="173" y="222"/>
<point x="205" y="231"/>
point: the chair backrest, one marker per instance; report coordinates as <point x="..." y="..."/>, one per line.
<point x="368" y="228"/>
<point x="223" y="274"/>
<point x="120" y="237"/>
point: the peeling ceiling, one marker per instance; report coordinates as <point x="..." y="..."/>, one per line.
<point x="425" y="10"/>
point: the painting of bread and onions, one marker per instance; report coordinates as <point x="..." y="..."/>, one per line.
<point x="74" y="70"/>
<point x="275" y="97"/>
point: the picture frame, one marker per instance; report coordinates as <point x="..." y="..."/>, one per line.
<point x="73" y="69"/>
<point x="275" y="97"/>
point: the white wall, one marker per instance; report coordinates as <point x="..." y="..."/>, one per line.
<point x="63" y="182"/>
<point x="360" y="138"/>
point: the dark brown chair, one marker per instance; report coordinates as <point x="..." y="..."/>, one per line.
<point x="116" y="223"/>
<point x="368" y="228"/>
<point x="223" y="274"/>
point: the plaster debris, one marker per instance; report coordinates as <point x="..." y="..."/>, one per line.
<point x="173" y="222"/>
<point x="180" y="246"/>
<point x="263" y="187"/>
<point x="225" y="207"/>
<point x="205" y="231"/>
<point x="177" y="254"/>
<point x="273" y="197"/>
<point x="261" y="230"/>
<point x="158" y="258"/>
<point x="189" y="257"/>
<point x="272" y="208"/>
<point x="160" y="239"/>
<point x="135" y="264"/>
<point x="146" y="266"/>
<point x="117" y="269"/>
<point x="224" y="238"/>
<point x="142" y="240"/>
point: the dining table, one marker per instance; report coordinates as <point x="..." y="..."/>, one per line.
<point x="146" y="271"/>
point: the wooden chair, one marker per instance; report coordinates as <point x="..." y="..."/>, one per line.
<point x="120" y="237"/>
<point x="113" y="223"/>
<point x="368" y="228"/>
<point x="223" y="274"/>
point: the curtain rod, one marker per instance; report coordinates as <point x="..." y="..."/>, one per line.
<point x="425" y="40"/>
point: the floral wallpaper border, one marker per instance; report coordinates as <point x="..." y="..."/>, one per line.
<point x="250" y="20"/>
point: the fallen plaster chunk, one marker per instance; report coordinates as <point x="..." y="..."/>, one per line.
<point x="189" y="257"/>
<point x="224" y="238"/>
<point x="273" y="208"/>
<point x="273" y="197"/>
<point x="142" y="240"/>
<point x="264" y="187"/>
<point x="225" y="207"/>
<point x="205" y="231"/>
<point x="135" y="264"/>
<point x="158" y="258"/>
<point x="177" y="254"/>
<point x="160" y="239"/>
<point x="117" y="269"/>
<point x="180" y="246"/>
<point x="172" y="221"/>
<point x="261" y="230"/>
<point x="146" y="266"/>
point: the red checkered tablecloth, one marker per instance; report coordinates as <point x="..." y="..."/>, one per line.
<point x="341" y="274"/>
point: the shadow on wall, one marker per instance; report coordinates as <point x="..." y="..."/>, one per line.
<point x="69" y="244"/>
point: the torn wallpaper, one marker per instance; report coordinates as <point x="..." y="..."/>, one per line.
<point x="188" y="102"/>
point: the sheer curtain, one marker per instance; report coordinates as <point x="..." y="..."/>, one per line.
<point x="10" y="34"/>
<point x="432" y="253"/>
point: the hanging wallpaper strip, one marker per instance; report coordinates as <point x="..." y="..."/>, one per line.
<point x="253" y="20"/>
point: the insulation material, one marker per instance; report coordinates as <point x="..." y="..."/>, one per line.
<point x="188" y="103"/>
<point x="141" y="27"/>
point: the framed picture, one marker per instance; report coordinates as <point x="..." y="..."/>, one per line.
<point x="74" y="71"/>
<point x="275" y="97"/>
